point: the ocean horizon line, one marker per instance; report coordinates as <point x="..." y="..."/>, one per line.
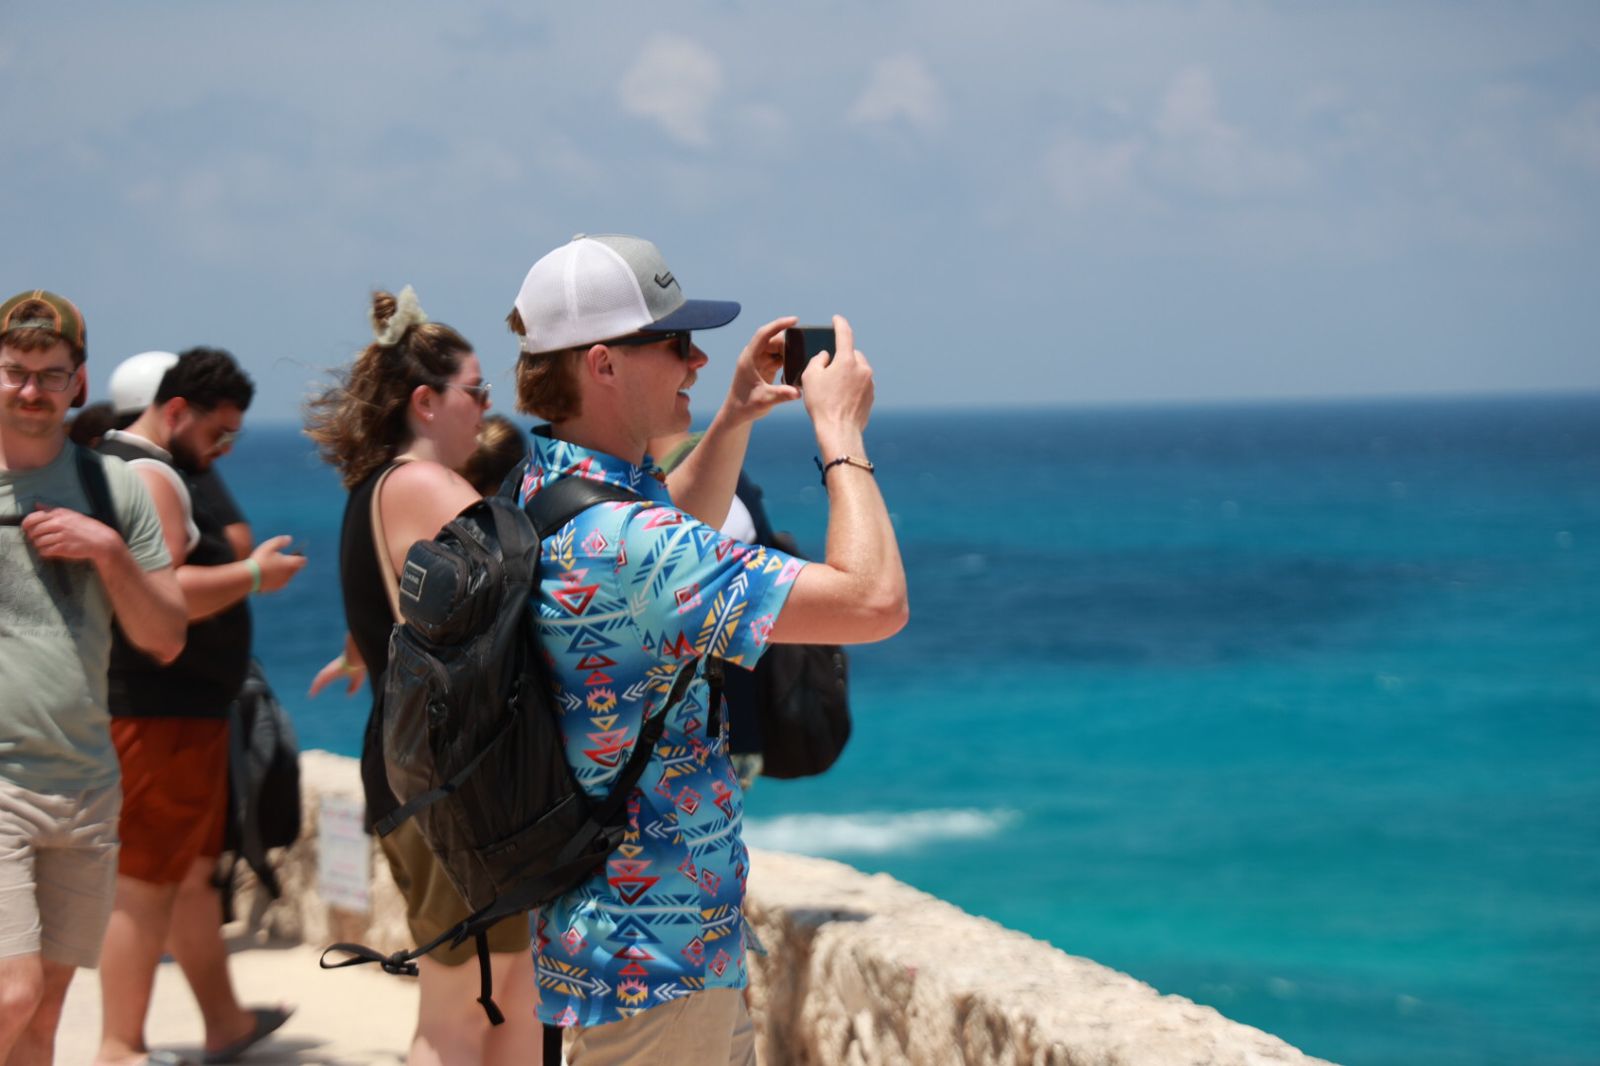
<point x="1353" y="401"/>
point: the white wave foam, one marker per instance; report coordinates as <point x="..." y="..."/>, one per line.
<point x="870" y="833"/>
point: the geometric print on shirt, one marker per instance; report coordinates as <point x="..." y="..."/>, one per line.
<point x="630" y="594"/>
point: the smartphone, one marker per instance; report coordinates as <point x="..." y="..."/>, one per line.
<point x="800" y="345"/>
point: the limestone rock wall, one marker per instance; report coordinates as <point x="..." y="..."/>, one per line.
<point x="862" y="970"/>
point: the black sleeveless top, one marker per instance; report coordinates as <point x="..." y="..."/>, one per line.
<point x="206" y="677"/>
<point x="369" y="619"/>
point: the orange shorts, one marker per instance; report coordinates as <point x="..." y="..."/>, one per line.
<point x="174" y="794"/>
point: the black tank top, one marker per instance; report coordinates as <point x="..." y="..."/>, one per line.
<point x="368" y="617"/>
<point x="203" y="680"/>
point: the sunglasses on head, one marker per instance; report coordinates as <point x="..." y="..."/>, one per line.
<point x="683" y="342"/>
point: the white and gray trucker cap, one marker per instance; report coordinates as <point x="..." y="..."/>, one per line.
<point x="594" y="288"/>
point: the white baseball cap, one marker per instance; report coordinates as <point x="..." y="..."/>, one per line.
<point x="135" y="380"/>
<point x="596" y="288"/>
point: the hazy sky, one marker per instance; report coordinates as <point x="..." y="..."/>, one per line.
<point x="1016" y="203"/>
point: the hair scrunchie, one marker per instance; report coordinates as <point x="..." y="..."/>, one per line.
<point x="407" y="313"/>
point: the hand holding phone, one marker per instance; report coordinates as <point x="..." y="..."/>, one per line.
<point x="801" y="344"/>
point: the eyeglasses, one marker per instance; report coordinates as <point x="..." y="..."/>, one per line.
<point x="479" y="392"/>
<point x="52" y="380"/>
<point x="683" y="341"/>
<point x="227" y="437"/>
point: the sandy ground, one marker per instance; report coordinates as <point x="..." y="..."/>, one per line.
<point x="353" y="1016"/>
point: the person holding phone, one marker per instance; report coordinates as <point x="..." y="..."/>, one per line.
<point x="170" y="720"/>
<point x="645" y="961"/>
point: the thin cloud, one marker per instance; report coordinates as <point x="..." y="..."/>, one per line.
<point x="1201" y="149"/>
<point x="674" y="83"/>
<point x="1183" y="147"/>
<point x="1085" y="173"/>
<point x="1579" y="134"/>
<point x="901" y="89"/>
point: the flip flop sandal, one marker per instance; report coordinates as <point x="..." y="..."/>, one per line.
<point x="268" y="1019"/>
<point x="166" y="1058"/>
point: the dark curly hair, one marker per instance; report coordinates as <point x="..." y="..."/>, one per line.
<point x="360" y="423"/>
<point x="207" y="378"/>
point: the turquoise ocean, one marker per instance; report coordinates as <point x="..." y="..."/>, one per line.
<point x="1290" y="709"/>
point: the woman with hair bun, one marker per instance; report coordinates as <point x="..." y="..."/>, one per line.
<point x="405" y="417"/>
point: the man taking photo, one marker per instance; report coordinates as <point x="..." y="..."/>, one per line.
<point x="645" y="961"/>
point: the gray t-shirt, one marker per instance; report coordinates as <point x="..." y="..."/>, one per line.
<point x="55" y="632"/>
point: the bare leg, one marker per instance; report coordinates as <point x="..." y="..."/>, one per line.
<point x="195" y="941"/>
<point x="451" y="1027"/>
<point x="37" y="1044"/>
<point x="128" y="961"/>
<point x="519" y="1042"/>
<point x="21" y="993"/>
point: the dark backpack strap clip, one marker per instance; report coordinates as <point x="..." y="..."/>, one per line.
<point x="402" y="963"/>
<point x="486" y="981"/>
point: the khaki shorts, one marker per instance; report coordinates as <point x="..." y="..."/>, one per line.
<point x="706" y="1028"/>
<point x="58" y="872"/>
<point x="433" y="904"/>
<point x="174" y="794"/>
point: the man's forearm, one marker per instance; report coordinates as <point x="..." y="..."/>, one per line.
<point x="861" y="540"/>
<point x="210" y="589"/>
<point x="148" y="604"/>
<point x="704" y="483"/>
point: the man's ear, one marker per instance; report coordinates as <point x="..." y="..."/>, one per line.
<point x="81" y="397"/>
<point x="600" y="361"/>
<point x="173" y="410"/>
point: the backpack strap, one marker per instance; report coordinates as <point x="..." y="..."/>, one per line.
<point x="554" y="507"/>
<point x="92" y="476"/>
<point x="511" y="484"/>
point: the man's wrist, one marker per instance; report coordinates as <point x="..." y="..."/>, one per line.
<point x="112" y="554"/>
<point x="832" y="442"/>
<point x="732" y="417"/>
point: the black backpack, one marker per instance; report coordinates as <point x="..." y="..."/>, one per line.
<point x="471" y="742"/>
<point x="794" y="707"/>
<point x="263" y="785"/>
<point x="802" y="700"/>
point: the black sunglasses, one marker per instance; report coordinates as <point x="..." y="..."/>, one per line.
<point x="682" y="338"/>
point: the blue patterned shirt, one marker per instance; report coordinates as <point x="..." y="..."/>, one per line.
<point x="631" y="593"/>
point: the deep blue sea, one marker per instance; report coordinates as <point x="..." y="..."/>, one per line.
<point x="1293" y="710"/>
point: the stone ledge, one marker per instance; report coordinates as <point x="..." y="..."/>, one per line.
<point x="863" y="970"/>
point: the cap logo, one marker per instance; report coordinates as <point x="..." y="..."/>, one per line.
<point x="665" y="279"/>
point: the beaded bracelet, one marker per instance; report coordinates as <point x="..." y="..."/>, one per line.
<point x="864" y="464"/>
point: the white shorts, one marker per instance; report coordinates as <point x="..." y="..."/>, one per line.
<point x="58" y="871"/>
